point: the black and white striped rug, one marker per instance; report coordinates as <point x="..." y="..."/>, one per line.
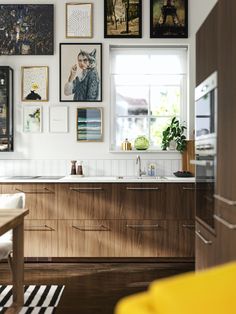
<point x="37" y="299"/>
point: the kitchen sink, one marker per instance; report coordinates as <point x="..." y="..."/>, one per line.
<point x="21" y="177"/>
<point x="48" y="177"/>
<point x="140" y="178"/>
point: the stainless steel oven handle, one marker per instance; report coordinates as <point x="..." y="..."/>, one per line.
<point x="208" y="242"/>
<point x="204" y="163"/>
<point x="225" y="222"/>
<point x="225" y="200"/>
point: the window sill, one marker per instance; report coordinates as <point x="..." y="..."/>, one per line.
<point x="148" y="151"/>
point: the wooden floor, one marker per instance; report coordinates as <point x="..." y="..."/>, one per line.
<point x="95" y="288"/>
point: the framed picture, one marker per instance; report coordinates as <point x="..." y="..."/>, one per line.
<point x="79" y="20"/>
<point x="123" y="19"/>
<point x="89" y="124"/>
<point x="28" y="29"/>
<point x="169" y="19"/>
<point x="58" y="121"/>
<point x="32" y="119"/>
<point x="34" y="83"/>
<point x="80" y="72"/>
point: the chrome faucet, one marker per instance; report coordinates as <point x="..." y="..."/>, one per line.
<point x="138" y="162"/>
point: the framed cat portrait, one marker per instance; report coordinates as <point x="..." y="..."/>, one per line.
<point x="80" y="72"/>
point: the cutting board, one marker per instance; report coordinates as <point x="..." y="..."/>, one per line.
<point x="187" y="155"/>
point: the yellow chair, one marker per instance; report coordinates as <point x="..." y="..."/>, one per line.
<point x="212" y="291"/>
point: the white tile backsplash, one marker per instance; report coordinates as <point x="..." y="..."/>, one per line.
<point x="91" y="167"/>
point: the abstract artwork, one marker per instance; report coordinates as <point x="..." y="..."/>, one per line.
<point x="89" y="124"/>
<point x="26" y="29"/>
<point x="80" y="72"/>
<point x="34" y="83"/>
<point x="169" y="19"/>
<point x="32" y="119"/>
<point x="123" y="18"/>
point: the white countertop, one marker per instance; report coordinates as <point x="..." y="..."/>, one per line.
<point x="100" y="179"/>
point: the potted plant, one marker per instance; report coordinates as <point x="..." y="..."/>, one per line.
<point x="174" y="132"/>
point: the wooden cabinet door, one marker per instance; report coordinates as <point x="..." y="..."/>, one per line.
<point x="205" y="248"/>
<point x="40" y="199"/>
<point x="40" y="238"/>
<point x="225" y="224"/>
<point x="180" y="201"/>
<point x="85" y="201"/>
<point x="139" y="201"/>
<point x="86" y="238"/>
<point x="186" y="239"/>
<point x="206" y="47"/>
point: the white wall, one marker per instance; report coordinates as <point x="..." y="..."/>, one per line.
<point x="64" y="146"/>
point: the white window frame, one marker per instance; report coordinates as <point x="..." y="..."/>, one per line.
<point x="184" y="106"/>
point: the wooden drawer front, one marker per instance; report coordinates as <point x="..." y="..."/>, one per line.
<point x="85" y="238"/>
<point x="205" y="248"/>
<point x="40" y="238"/>
<point x="225" y="224"/>
<point x="186" y="238"/>
<point x="40" y="199"/>
<point x="84" y="201"/>
<point x="180" y="201"/>
<point x="140" y="201"/>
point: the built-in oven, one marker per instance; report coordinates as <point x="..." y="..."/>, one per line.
<point x="205" y="149"/>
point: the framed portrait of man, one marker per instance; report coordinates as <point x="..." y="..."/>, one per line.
<point x="80" y="72"/>
<point x="169" y="19"/>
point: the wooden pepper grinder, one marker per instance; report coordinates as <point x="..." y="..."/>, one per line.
<point x="80" y="169"/>
<point x="73" y="167"/>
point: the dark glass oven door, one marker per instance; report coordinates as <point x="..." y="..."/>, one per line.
<point x="205" y="186"/>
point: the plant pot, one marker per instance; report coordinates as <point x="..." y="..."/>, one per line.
<point x="172" y="145"/>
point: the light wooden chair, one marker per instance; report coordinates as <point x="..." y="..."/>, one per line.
<point x="9" y="201"/>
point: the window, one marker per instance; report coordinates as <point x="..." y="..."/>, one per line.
<point x="148" y="88"/>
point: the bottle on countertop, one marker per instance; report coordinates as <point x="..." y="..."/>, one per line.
<point x="80" y="169"/>
<point x="152" y="170"/>
<point x="73" y="167"/>
<point x="126" y="145"/>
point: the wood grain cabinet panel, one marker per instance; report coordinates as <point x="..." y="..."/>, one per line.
<point x="40" y="238"/>
<point x="180" y="201"/>
<point x="186" y="238"/>
<point x="205" y="248"/>
<point x="85" y="201"/>
<point x="139" y="201"/>
<point x="86" y="238"/>
<point x="40" y="199"/>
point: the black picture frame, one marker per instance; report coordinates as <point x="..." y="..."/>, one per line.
<point x="75" y="88"/>
<point x="28" y="29"/>
<point x="169" y="19"/>
<point x="118" y="27"/>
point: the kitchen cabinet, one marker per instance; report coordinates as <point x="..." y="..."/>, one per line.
<point x="205" y="248"/>
<point x="6" y="109"/>
<point x="206" y="47"/>
<point x="41" y="199"/>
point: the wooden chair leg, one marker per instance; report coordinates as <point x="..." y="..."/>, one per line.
<point x="9" y="259"/>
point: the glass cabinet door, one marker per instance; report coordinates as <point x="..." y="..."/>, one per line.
<point x="6" y="109"/>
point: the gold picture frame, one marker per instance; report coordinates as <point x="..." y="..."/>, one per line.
<point x="89" y="124"/>
<point x="79" y="17"/>
<point x="34" y="83"/>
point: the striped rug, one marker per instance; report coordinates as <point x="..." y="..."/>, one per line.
<point x="37" y="299"/>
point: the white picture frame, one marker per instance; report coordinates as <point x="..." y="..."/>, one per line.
<point x="79" y="20"/>
<point x="32" y="119"/>
<point x="58" y="119"/>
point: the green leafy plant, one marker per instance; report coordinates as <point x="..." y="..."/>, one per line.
<point x="174" y="132"/>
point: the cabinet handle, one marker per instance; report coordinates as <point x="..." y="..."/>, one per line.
<point x="39" y="228"/>
<point x="43" y="191"/>
<point x="132" y="188"/>
<point x="86" y="189"/>
<point x="188" y="189"/>
<point x="225" y="222"/>
<point x="91" y="228"/>
<point x="198" y="233"/>
<point x="203" y="163"/>
<point x="156" y="226"/>
<point x="188" y="226"/>
<point x="224" y="200"/>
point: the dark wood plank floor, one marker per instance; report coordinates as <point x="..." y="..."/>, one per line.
<point x="95" y="288"/>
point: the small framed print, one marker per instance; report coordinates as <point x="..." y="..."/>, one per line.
<point x="89" y="124"/>
<point x="79" y="17"/>
<point x="34" y="83"/>
<point x="80" y="72"/>
<point x="169" y="19"/>
<point x="123" y="19"/>
<point x="32" y="119"/>
<point x="58" y="121"/>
